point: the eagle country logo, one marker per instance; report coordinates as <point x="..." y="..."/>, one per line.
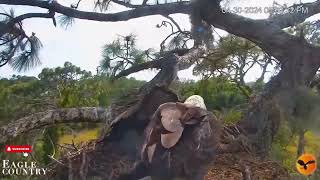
<point x="20" y="168"/>
<point x="306" y="164"/>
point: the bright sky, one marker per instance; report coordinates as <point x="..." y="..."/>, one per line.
<point x="81" y="44"/>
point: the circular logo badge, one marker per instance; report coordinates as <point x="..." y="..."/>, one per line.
<point x="306" y="164"/>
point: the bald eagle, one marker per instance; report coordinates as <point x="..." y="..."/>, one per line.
<point x="180" y="141"/>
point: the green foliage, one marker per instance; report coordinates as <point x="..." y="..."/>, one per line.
<point x="229" y="116"/>
<point x="63" y="75"/>
<point x="17" y="48"/>
<point x="25" y="90"/>
<point x="280" y="144"/>
<point x="218" y="93"/>
<point x="232" y="58"/>
<point x="59" y="87"/>
<point x="102" y="5"/>
<point x="284" y="147"/>
<point x="50" y="137"/>
<point x="29" y="54"/>
<point x="122" y="54"/>
<point x="66" y="21"/>
<point x="300" y="112"/>
<point x="221" y="96"/>
<point x="301" y="108"/>
<point x="66" y="86"/>
<point x="285" y="144"/>
<point x="97" y="91"/>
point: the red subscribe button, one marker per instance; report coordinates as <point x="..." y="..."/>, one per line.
<point x="18" y="149"/>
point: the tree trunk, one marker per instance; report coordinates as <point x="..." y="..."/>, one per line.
<point x="299" y="64"/>
<point x="301" y="143"/>
<point x="264" y="115"/>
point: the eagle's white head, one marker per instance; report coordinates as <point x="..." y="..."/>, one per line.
<point x="196" y="100"/>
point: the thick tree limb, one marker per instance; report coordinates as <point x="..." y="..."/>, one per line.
<point x="139" y="67"/>
<point x="127" y="4"/>
<point x="184" y="61"/>
<point x="9" y="27"/>
<point x="32" y="15"/>
<point x="174" y="62"/>
<point x="51" y="117"/>
<point x="281" y="21"/>
<point x="161" y="9"/>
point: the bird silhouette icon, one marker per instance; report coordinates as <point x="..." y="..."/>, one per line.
<point x="305" y="165"/>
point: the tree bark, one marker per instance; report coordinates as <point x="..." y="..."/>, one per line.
<point x="123" y="139"/>
<point x="299" y="63"/>
<point x="161" y="9"/>
<point x="52" y="117"/>
<point x="117" y="149"/>
<point x="301" y="143"/>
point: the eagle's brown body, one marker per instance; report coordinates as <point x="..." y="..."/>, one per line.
<point x="180" y="142"/>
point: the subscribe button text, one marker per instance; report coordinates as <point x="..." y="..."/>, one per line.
<point x="18" y="148"/>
